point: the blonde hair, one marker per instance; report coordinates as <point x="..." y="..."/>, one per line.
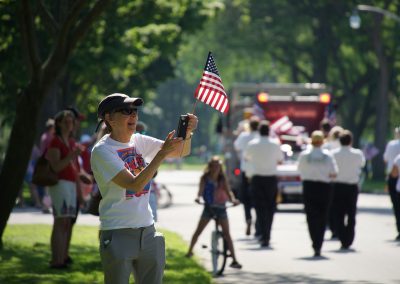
<point x="207" y="170"/>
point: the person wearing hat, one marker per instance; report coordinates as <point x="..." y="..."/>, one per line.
<point x="123" y="163"/>
<point x="317" y="168"/>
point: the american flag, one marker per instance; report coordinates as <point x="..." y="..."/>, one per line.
<point x="281" y="125"/>
<point x="210" y="90"/>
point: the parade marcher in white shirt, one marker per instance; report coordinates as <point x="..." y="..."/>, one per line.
<point x="317" y="168"/>
<point x="396" y="173"/>
<point x="331" y="143"/>
<point x="240" y="145"/>
<point x="262" y="156"/>
<point x="391" y="151"/>
<point x="350" y="162"/>
<point x="123" y="163"/>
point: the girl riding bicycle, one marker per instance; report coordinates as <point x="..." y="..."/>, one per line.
<point x="215" y="191"/>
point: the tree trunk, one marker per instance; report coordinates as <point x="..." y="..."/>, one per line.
<point x="18" y="154"/>
<point x="363" y="121"/>
<point x="323" y="34"/>
<point x="43" y="75"/>
<point x="382" y="107"/>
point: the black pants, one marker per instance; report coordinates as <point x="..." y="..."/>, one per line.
<point x="395" y="198"/>
<point x="264" y="190"/>
<point x="247" y="201"/>
<point x="317" y="199"/>
<point x="331" y="220"/>
<point x="245" y="197"/>
<point x="344" y="208"/>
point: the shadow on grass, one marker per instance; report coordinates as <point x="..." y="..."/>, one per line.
<point x="26" y="254"/>
<point x="30" y="265"/>
<point x="180" y="269"/>
<point x="24" y="264"/>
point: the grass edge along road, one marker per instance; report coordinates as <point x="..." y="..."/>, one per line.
<point x="26" y="252"/>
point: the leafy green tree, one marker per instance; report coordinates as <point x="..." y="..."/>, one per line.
<point x="44" y="67"/>
<point x="310" y="41"/>
<point x="132" y="46"/>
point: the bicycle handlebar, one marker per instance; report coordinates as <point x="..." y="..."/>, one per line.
<point x="230" y="204"/>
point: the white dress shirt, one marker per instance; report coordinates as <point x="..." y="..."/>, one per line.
<point x="397" y="163"/>
<point x="391" y="151"/>
<point x="316" y="164"/>
<point x="331" y="145"/>
<point x="350" y="161"/>
<point x="262" y="156"/>
<point x="241" y="143"/>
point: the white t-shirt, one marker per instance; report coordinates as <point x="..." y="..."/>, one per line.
<point x="331" y="145"/>
<point x="121" y="207"/>
<point x="391" y="151"/>
<point x="350" y="162"/>
<point x="316" y="164"/>
<point x="241" y="143"/>
<point x="397" y="163"/>
<point x="262" y="156"/>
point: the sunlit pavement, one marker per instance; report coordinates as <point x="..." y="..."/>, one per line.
<point x="375" y="256"/>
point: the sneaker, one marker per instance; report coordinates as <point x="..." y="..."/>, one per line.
<point x="343" y="247"/>
<point x="236" y="265"/>
<point x="46" y="211"/>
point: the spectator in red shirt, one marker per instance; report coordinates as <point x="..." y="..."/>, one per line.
<point x="62" y="154"/>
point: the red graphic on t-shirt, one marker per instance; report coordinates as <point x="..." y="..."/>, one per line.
<point x="135" y="163"/>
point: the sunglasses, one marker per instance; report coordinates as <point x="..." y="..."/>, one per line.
<point x="127" y="111"/>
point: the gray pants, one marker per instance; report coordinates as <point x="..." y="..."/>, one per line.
<point x="141" y="251"/>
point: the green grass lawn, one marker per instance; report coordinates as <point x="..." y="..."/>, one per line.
<point x="373" y="186"/>
<point x="26" y="253"/>
<point x="187" y="163"/>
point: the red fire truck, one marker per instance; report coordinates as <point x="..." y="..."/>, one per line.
<point x="294" y="111"/>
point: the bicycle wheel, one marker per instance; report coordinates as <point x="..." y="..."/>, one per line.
<point x="218" y="252"/>
<point x="164" y="198"/>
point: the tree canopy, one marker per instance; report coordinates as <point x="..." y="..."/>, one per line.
<point x="311" y="41"/>
<point x="58" y="53"/>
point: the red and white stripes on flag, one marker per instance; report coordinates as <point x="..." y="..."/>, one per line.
<point x="210" y="90"/>
<point x="282" y="125"/>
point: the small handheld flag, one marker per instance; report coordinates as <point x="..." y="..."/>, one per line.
<point x="210" y="90"/>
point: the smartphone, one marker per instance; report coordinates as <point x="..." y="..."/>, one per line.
<point x="182" y="126"/>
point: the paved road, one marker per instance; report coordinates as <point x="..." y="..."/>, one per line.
<point x="375" y="258"/>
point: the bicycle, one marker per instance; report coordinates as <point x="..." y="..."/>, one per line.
<point x="219" y="245"/>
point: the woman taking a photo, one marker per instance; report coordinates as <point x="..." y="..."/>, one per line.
<point x="123" y="164"/>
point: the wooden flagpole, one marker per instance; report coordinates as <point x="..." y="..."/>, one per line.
<point x="194" y="105"/>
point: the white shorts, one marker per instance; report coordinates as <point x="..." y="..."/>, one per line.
<point x="63" y="197"/>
